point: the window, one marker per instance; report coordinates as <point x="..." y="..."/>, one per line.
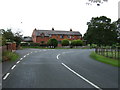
<point x="68" y="36"/>
<point x="50" y="35"/>
<point x="61" y="36"/>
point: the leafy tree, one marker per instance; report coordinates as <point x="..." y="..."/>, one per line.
<point x="52" y="42"/>
<point x="100" y="31"/>
<point x="8" y="35"/>
<point x="79" y="42"/>
<point x="117" y="28"/>
<point x="18" y="38"/>
<point x="65" y="42"/>
<point x="73" y="43"/>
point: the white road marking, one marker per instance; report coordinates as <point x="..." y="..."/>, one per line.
<point x="28" y="54"/>
<point x="44" y="50"/>
<point x="18" y="62"/>
<point x="21" y="58"/>
<point x="13" y="67"/>
<point x="81" y="77"/>
<point x="24" y="56"/>
<point x="6" y="76"/>
<point x="58" y="56"/>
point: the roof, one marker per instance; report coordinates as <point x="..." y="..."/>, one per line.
<point x="27" y="39"/>
<point x="50" y="32"/>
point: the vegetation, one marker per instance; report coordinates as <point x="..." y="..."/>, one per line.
<point x="52" y="42"/>
<point x="101" y="31"/>
<point x="77" y="43"/>
<point x="9" y="36"/>
<point x="105" y="59"/>
<point x="65" y="42"/>
<point x="7" y="55"/>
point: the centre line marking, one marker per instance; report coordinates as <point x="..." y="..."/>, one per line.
<point x="18" y="62"/>
<point x="21" y="58"/>
<point x="24" y="56"/>
<point x="58" y="56"/>
<point x="81" y="77"/>
<point x="13" y="67"/>
<point x="6" y="76"/>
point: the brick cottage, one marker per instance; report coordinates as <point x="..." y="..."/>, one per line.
<point x="40" y="36"/>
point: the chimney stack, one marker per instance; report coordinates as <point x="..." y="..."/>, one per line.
<point x="70" y="29"/>
<point x="52" y="29"/>
<point x="35" y="29"/>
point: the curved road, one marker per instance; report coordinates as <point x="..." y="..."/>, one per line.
<point x="60" y="68"/>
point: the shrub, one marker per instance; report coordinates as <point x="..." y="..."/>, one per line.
<point x="65" y="42"/>
<point x="52" y="42"/>
<point x="24" y="44"/>
<point x="77" y="43"/>
<point x="34" y="44"/>
<point x="7" y="55"/>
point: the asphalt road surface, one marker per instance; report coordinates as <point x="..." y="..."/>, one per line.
<point x="60" y="68"/>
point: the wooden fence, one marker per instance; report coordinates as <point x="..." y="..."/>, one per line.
<point x="109" y="52"/>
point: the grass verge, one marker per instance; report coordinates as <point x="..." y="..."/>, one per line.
<point x="106" y="60"/>
<point x="7" y="55"/>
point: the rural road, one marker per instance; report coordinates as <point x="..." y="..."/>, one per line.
<point x="60" y="68"/>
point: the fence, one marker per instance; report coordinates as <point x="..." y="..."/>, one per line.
<point x="109" y="52"/>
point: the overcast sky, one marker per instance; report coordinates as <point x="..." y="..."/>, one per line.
<point x="25" y="15"/>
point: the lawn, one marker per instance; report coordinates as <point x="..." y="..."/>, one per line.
<point x="104" y="59"/>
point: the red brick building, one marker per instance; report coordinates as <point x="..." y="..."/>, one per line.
<point x="40" y="36"/>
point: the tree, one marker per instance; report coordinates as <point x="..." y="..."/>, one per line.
<point x="98" y="2"/>
<point x="117" y="28"/>
<point x="100" y="31"/>
<point x="65" y="42"/>
<point x="18" y="38"/>
<point x="79" y="42"/>
<point x="73" y="43"/>
<point x="52" y="42"/>
<point x="8" y="35"/>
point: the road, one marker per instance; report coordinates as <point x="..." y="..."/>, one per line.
<point x="60" y="68"/>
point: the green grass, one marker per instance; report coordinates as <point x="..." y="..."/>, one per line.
<point x="7" y="55"/>
<point x="106" y="60"/>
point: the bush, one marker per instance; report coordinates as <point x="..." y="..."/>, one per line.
<point x="7" y="55"/>
<point x="77" y="43"/>
<point x="52" y="42"/>
<point x="24" y="44"/>
<point x="65" y="42"/>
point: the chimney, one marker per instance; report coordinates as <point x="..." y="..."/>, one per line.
<point x="52" y="29"/>
<point x="35" y="29"/>
<point x="70" y="29"/>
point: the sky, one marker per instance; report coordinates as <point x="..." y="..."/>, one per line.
<point x="26" y="15"/>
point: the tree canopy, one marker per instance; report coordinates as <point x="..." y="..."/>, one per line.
<point x="9" y="36"/>
<point x="101" y="31"/>
<point x="52" y="42"/>
<point x="65" y="42"/>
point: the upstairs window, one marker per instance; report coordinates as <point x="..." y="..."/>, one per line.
<point x="50" y="35"/>
<point x="61" y="36"/>
<point x="68" y="36"/>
